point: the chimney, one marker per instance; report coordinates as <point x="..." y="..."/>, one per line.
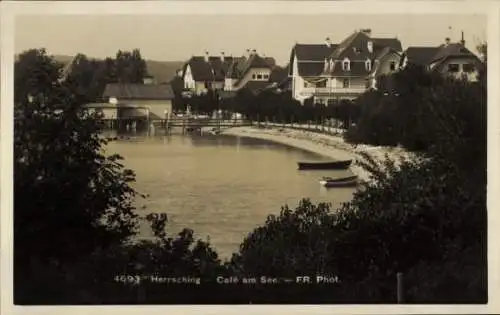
<point x="206" y="56"/>
<point x="222" y="56"/>
<point x="462" y="41"/>
<point x="328" y="43"/>
<point x="248" y="52"/>
<point x="367" y="31"/>
<point x="254" y="51"/>
<point x="447" y="41"/>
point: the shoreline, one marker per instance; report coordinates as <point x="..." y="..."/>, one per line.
<point x="330" y="146"/>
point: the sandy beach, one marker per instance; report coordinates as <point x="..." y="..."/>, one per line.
<point x="330" y="146"/>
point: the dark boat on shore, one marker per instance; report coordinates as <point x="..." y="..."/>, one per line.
<point x="349" y="181"/>
<point x="333" y="165"/>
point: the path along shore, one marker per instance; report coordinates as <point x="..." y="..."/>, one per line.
<point x="330" y="146"/>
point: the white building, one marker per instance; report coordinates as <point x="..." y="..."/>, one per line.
<point x="331" y="72"/>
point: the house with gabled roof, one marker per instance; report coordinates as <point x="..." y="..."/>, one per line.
<point x="331" y="72"/>
<point x="202" y="73"/>
<point x="251" y="72"/>
<point x="452" y="59"/>
<point x="228" y="74"/>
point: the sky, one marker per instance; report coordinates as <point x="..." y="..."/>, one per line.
<point x="178" y="37"/>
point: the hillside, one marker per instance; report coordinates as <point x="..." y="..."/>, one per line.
<point x="163" y="71"/>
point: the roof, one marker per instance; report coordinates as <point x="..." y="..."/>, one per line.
<point x="313" y="52"/>
<point x="311" y="58"/>
<point x="355" y="47"/>
<point x="243" y="64"/>
<point x="426" y="55"/>
<point x="128" y="91"/>
<point x="213" y="70"/>
<point x="254" y="61"/>
<point x="421" y="55"/>
<point x="452" y="50"/>
<point x="357" y="68"/>
<point x="278" y="74"/>
<point x="309" y="69"/>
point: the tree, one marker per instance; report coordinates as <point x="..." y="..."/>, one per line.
<point x="130" y="67"/>
<point x="79" y="199"/>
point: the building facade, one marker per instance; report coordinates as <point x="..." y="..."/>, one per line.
<point x="140" y="101"/>
<point x="332" y="72"/>
<point x="229" y="74"/>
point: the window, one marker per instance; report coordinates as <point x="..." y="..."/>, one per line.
<point x="393" y="65"/>
<point x="453" y="67"/>
<point x="346" y="65"/>
<point x="266" y="76"/>
<point x="467" y="67"/>
<point x="253" y="76"/>
<point x="325" y="68"/>
<point x="259" y="76"/>
<point x="368" y="65"/>
<point x="346" y="83"/>
<point x="370" y="46"/>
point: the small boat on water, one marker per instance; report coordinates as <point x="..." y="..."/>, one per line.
<point x="333" y="165"/>
<point x="348" y="181"/>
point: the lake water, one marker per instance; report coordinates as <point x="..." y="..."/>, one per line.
<point x="222" y="187"/>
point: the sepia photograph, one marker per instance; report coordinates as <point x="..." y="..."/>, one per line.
<point x="218" y="156"/>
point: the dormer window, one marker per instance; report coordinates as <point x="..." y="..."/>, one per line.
<point x="346" y="65"/>
<point x="368" y="65"/>
<point x="370" y="46"/>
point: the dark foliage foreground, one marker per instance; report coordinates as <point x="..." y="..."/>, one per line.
<point x="74" y="219"/>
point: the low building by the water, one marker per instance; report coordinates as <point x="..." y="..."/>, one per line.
<point x="146" y="102"/>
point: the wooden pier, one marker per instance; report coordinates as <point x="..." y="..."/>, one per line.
<point x="183" y="124"/>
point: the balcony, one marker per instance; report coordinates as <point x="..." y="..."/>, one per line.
<point x="329" y="91"/>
